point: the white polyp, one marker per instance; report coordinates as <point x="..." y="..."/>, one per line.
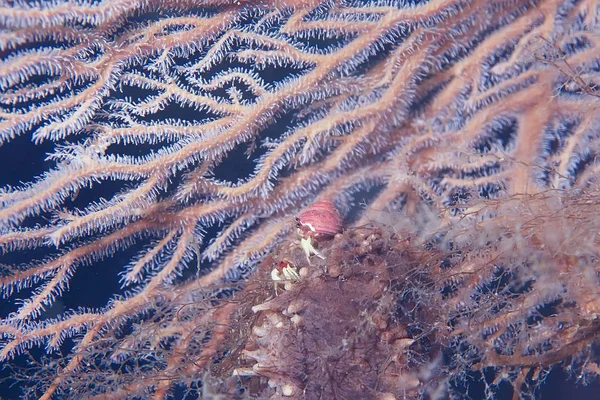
<point x="244" y="372"/>
<point x="287" y="390"/>
<point x="262" y="307"/>
<point x="274" y="318"/>
<point x="292" y="309"/>
<point x="260" y="331"/>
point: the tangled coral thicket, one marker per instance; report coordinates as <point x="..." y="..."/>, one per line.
<point x="407" y="309"/>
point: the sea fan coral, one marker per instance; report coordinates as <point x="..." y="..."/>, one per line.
<point x="153" y="154"/>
